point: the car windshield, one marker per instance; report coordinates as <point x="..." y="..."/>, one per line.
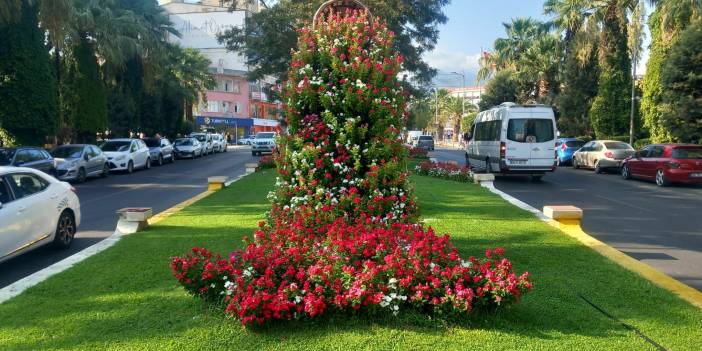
<point x="426" y="137"/>
<point x="183" y="142"/>
<point x="116" y="145"/>
<point x="67" y="152"/>
<point x="200" y="137"/>
<point x="6" y="156"/>
<point x="265" y="135"/>
<point x="687" y="152"/>
<point x="575" y="143"/>
<point x="617" y="145"/>
<point x="530" y="130"/>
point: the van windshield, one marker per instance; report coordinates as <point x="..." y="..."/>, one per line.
<point x="530" y="130"/>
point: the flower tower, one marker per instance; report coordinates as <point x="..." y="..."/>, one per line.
<point x="342" y="233"/>
<point x="345" y="108"/>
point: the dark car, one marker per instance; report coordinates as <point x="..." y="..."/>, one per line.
<point x="666" y="164"/>
<point x="28" y="156"/>
<point x="161" y="150"/>
<point x="426" y="142"/>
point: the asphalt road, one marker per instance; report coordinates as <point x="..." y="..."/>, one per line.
<point x="659" y="226"/>
<point x="158" y="188"/>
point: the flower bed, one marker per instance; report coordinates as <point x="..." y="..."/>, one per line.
<point x="266" y="162"/>
<point x="444" y="170"/>
<point x="418" y="153"/>
<point x="295" y="273"/>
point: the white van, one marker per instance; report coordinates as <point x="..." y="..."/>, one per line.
<point x="513" y="139"/>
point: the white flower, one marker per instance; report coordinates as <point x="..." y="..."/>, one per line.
<point x="392" y="281"/>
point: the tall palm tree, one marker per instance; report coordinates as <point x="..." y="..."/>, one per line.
<point x="569" y="15"/>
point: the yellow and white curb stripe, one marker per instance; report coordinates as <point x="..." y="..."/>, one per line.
<point x="572" y="228"/>
<point x="25" y="283"/>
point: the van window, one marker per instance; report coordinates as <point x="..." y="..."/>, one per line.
<point x="487" y="131"/>
<point x="530" y="130"/>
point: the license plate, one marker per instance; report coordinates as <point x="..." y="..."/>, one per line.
<point x="518" y="162"/>
<point x="695" y="175"/>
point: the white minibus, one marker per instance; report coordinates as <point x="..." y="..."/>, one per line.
<point x="513" y="139"/>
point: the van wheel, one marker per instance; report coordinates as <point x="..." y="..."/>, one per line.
<point x="467" y="162"/>
<point x="488" y="166"/>
<point x="65" y="230"/>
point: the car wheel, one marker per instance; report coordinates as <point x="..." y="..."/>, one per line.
<point x="598" y="168"/>
<point x="172" y="160"/>
<point x="65" y="230"/>
<point x="148" y="163"/>
<point x="105" y="171"/>
<point x="660" y="178"/>
<point x="130" y="167"/>
<point x="81" y="175"/>
<point x="625" y="172"/>
<point x="575" y="163"/>
<point x="160" y="160"/>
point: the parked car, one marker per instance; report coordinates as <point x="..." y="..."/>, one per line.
<point x="206" y="140"/>
<point x="263" y="144"/>
<point x="565" y="148"/>
<point x="246" y="140"/>
<point x="187" y="148"/>
<point x="666" y="164"/>
<point x="35" y="209"/>
<point x="126" y="154"/>
<point x="513" y="139"/>
<point x="426" y="142"/>
<point x="602" y="155"/>
<point x="76" y="162"/>
<point x="160" y="150"/>
<point x="28" y="156"/>
<point x="218" y="143"/>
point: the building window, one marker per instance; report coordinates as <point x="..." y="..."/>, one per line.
<point x="237" y="108"/>
<point x="225" y="106"/>
<point x="212" y="106"/>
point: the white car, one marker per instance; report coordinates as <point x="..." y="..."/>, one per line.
<point x="218" y="143"/>
<point x="263" y="144"/>
<point x="126" y="154"/>
<point x="206" y="140"/>
<point x="35" y="209"/>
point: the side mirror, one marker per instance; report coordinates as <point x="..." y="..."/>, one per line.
<point x="86" y="157"/>
<point x="467" y="136"/>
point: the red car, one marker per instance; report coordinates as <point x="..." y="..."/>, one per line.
<point x="666" y="164"/>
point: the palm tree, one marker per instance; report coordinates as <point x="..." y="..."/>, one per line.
<point x="569" y="15"/>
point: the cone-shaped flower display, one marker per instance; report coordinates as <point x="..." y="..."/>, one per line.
<point x="342" y="233"/>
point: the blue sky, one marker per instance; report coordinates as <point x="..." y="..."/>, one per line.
<point x="474" y="24"/>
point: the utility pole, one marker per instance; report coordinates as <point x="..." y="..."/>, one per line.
<point x="634" y="61"/>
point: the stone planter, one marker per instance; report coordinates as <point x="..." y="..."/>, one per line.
<point x="134" y="219"/>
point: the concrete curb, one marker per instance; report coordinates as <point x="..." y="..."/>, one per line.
<point x="572" y="228"/>
<point x="27" y="282"/>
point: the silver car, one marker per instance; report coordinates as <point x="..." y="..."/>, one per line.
<point x="263" y="144"/>
<point x="426" y="142"/>
<point x="602" y="155"/>
<point x="77" y="162"/>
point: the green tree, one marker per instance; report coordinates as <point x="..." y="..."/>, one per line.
<point x="609" y="113"/>
<point x="668" y="20"/>
<point x="269" y="35"/>
<point x="682" y="85"/>
<point x="502" y="88"/>
<point x="28" y="102"/>
<point x="86" y="98"/>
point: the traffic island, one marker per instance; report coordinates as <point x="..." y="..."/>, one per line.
<point x="133" y="219"/>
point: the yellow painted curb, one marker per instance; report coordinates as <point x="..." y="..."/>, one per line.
<point x="572" y="228"/>
<point x="179" y="207"/>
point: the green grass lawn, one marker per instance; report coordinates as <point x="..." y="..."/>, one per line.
<point x="125" y="298"/>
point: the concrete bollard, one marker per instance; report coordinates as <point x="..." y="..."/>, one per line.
<point x="216" y="183"/>
<point x="480" y="178"/>
<point x="251" y="167"/>
<point x="564" y="214"/>
<point x="134" y="219"/>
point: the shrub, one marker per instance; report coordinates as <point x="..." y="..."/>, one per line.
<point x="290" y="272"/>
<point x="444" y="170"/>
